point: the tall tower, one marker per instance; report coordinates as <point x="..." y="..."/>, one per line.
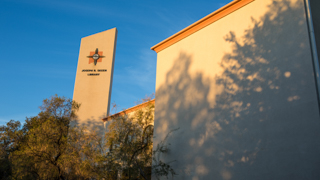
<point x="93" y="82"/>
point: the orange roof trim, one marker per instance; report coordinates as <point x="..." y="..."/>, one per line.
<point x="129" y="110"/>
<point x="209" y="19"/>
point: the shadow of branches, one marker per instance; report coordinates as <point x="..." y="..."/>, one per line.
<point x="263" y="120"/>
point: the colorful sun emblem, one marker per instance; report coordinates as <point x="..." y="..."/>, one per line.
<point x="95" y="56"/>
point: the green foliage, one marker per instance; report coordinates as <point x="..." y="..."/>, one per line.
<point x="130" y="143"/>
<point x="10" y="137"/>
<point x="48" y="147"/>
<point x="41" y="152"/>
<point x="85" y="157"/>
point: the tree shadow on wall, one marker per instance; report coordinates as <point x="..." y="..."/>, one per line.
<point x="92" y="124"/>
<point x="262" y="120"/>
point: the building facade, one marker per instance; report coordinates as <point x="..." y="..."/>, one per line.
<point x="241" y="85"/>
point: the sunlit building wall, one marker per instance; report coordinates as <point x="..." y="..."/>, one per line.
<point x="93" y="84"/>
<point x="240" y="85"/>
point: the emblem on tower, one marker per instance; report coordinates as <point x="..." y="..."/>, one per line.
<point x="95" y="56"/>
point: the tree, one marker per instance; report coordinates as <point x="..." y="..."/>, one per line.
<point x="10" y="137"/>
<point x="86" y="154"/>
<point x="42" y="152"/>
<point x="130" y="142"/>
<point x="48" y="147"/>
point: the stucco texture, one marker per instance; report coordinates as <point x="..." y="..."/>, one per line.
<point x="242" y="93"/>
<point x="93" y="92"/>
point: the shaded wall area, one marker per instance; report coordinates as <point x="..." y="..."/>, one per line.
<point x="257" y="117"/>
<point x="315" y="6"/>
<point x="92" y="125"/>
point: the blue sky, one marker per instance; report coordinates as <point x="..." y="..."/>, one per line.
<point x="40" y="41"/>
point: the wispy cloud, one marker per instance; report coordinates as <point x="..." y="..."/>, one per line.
<point x="172" y="21"/>
<point x="44" y="71"/>
<point x="142" y="73"/>
<point x="80" y="8"/>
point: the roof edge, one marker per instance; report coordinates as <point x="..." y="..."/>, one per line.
<point x="211" y="18"/>
<point x="129" y="110"/>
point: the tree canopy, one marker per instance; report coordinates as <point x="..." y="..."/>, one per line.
<point x="48" y="147"/>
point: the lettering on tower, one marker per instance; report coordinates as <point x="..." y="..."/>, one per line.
<point x="93" y="83"/>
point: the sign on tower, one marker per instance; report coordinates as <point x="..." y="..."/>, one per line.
<point x="93" y="82"/>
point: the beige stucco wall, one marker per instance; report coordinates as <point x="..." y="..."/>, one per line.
<point x="146" y="109"/>
<point x="242" y="93"/>
<point x="94" y="92"/>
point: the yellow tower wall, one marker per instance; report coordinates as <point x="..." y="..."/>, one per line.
<point x="93" y="83"/>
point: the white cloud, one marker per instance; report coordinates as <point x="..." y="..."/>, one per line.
<point x="143" y="73"/>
